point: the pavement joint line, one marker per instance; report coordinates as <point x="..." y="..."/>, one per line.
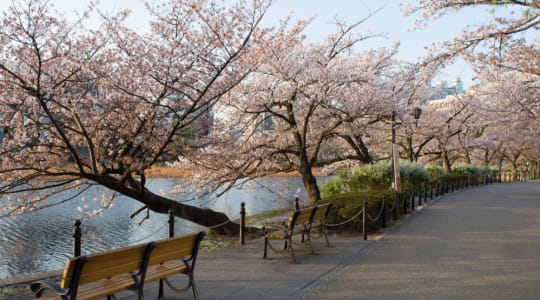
<point x="312" y="287"/>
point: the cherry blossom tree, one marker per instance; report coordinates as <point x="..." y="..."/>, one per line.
<point x="87" y="107"/>
<point x="447" y="118"/>
<point x="508" y="103"/>
<point x="289" y="115"/>
<point x="411" y="89"/>
<point x="504" y="52"/>
<point x="501" y="42"/>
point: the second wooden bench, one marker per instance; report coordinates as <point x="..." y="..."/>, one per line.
<point x="309" y="222"/>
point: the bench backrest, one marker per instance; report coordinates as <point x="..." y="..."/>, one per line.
<point x="104" y="264"/>
<point x="180" y="247"/>
<point x="302" y="216"/>
<point x="322" y="212"/>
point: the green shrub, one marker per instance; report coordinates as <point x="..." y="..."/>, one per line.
<point x="487" y="171"/>
<point x="436" y="173"/>
<point x="363" y="178"/>
<point x="467" y="170"/>
<point x="372" y="176"/>
<point x="413" y="175"/>
<point x="333" y="186"/>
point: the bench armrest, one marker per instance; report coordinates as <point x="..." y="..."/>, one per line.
<point x="38" y="287"/>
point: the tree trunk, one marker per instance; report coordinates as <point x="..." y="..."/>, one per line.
<point x="202" y="216"/>
<point x="310" y="184"/>
<point x="446" y="161"/>
<point x="410" y="150"/>
<point x="467" y="155"/>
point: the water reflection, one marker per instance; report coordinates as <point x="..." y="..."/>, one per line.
<point x="42" y="241"/>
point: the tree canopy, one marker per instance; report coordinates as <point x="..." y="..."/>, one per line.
<point x="211" y="89"/>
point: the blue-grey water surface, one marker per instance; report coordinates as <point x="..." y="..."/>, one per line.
<point x="42" y="241"/>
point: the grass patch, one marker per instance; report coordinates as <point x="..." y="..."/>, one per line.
<point x="11" y="291"/>
<point x="167" y="172"/>
<point x="260" y="219"/>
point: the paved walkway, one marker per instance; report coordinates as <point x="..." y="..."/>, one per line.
<point x="479" y="243"/>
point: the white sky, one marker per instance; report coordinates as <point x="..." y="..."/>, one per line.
<point x="388" y="20"/>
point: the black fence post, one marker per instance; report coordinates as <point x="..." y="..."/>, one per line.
<point x="383" y="221"/>
<point x="243" y="223"/>
<point x="171" y="223"/>
<point x="396" y="205"/>
<point x="296" y="203"/>
<point x="77" y="234"/>
<point x="404" y="197"/>
<point x="412" y="200"/>
<point x="364" y="220"/>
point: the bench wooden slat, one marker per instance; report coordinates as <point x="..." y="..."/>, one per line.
<point x="305" y="216"/>
<point x="322" y="212"/>
<point x="100" y="289"/>
<point x="173" y="248"/>
<point x="106" y="264"/>
<point x="103" y="288"/>
<point x="164" y="270"/>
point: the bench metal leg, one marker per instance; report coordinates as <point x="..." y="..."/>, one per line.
<point x="195" y="290"/>
<point x="325" y="232"/>
<point x="265" y="247"/>
<point x="292" y="251"/>
<point x="161" y="294"/>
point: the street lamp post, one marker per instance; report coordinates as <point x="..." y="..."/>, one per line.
<point x="394" y="181"/>
<point x="417" y="111"/>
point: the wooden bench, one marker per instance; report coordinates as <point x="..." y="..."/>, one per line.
<point x="319" y="223"/>
<point x="106" y="273"/>
<point x="176" y="255"/>
<point x="299" y="223"/>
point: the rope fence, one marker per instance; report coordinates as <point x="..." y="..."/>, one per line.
<point x="380" y="213"/>
<point x="348" y="220"/>
<point x="397" y="206"/>
<point x="230" y="220"/>
<point x="393" y="205"/>
<point x="149" y="235"/>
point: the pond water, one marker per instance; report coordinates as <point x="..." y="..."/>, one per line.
<point x="42" y="241"/>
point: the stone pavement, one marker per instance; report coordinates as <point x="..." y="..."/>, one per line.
<point x="478" y="243"/>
